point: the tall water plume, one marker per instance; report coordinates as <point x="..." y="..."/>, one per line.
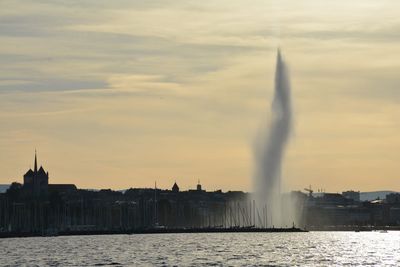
<point x="269" y="152"/>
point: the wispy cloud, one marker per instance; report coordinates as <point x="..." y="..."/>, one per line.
<point x="182" y="85"/>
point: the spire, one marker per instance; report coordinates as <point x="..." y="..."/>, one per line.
<point x="175" y="188"/>
<point x="35" y="169"/>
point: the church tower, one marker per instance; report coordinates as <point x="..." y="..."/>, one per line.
<point x="37" y="181"/>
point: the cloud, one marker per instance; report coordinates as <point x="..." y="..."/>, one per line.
<point x="48" y="85"/>
<point x="183" y="85"/>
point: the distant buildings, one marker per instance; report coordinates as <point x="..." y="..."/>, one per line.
<point x="36" y="182"/>
<point x="346" y="209"/>
<point x="37" y="207"/>
<point x="393" y="198"/>
<point x="353" y="195"/>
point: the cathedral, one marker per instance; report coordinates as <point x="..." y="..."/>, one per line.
<point x="36" y="181"/>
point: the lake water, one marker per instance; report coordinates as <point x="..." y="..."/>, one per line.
<point x="218" y="249"/>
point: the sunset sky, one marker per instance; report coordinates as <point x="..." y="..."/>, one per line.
<point x="118" y="94"/>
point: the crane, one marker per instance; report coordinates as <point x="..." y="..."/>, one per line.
<point x="309" y="190"/>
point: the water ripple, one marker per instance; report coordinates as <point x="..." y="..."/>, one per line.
<point x="219" y="249"/>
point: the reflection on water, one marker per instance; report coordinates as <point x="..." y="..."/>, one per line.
<point x="284" y="249"/>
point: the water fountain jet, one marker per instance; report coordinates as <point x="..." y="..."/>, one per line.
<point x="270" y="148"/>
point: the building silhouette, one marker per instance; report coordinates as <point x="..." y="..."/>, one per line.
<point x="175" y="188"/>
<point x="36" y="181"/>
<point x="38" y="207"/>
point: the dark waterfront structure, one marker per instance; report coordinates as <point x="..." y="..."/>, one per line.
<point x="332" y="211"/>
<point x="39" y="208"/>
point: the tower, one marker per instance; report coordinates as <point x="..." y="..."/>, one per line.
<point x="36" y="182"/>
<point x="198" y="186"/>
<point x="175" y="188"/>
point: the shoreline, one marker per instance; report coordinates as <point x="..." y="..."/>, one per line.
<point x="200" y="230"/>
<point x="156" y="231"/>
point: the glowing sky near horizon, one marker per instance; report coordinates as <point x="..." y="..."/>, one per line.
<point x="118" y="94"/>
